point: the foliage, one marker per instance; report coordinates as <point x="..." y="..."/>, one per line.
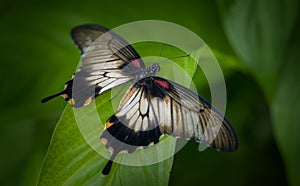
<point x="256" y="43"/>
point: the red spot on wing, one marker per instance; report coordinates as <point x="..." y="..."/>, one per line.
<point x="163" y="84"/>
<point x="136" y="63"/>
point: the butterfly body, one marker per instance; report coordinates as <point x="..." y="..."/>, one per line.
<point x="151" y="107"/>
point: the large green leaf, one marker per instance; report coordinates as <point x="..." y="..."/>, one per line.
<point x="260" y="33"/>
<point x="71" y="161"/>
<point x="74" y="154"/>
<point x="285" y="112"/>
<point x="38" y="56"/>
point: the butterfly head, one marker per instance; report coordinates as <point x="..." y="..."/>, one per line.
<point x="153" y="69"/>
<point x="150" y="71"/>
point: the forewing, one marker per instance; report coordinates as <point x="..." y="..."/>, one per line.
<point x="107" y="61"/>
<point x="84" y="35"/>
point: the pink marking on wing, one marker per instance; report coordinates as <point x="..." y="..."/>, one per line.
<point x="136" y="63"/>
<point x="163" y="84"/>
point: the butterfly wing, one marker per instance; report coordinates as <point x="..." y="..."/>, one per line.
<point x="155" y="106"/>
<point x="107" y="61"/>
<point x="190" y="116"/>
<point x="84" y="35"/>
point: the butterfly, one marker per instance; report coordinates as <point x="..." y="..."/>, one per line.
<point x="152" y="106"/>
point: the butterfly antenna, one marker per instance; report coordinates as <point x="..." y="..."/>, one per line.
<point x="115" y="96"/>
<point x="177" y="57"/>
<point x="187" y="55"/>
<point x="118" y="93"/>
<point x="161" y="52"/>
<point x="162" y="49"/>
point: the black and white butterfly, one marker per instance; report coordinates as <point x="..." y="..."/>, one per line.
<point x="151" y="107"/>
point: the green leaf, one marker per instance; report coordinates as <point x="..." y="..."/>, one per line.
<point x="71" y="161"/>
<point x="38" y="56"/>
<point x="259" y="32"/>
<point x="76" y="156"/>
<point x="285" y="112"/>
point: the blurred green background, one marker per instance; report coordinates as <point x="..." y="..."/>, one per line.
<point x="256" y="42"/>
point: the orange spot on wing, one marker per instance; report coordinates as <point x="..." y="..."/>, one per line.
<point x="108" y="124"/>
<point x="64" y="95"/>
<point x="111" y="149"/>
<point x="88" y="101"/>
<point x="124" y="151"/>
<point x="103" y="140"/>
<point x="72" y="101"/>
